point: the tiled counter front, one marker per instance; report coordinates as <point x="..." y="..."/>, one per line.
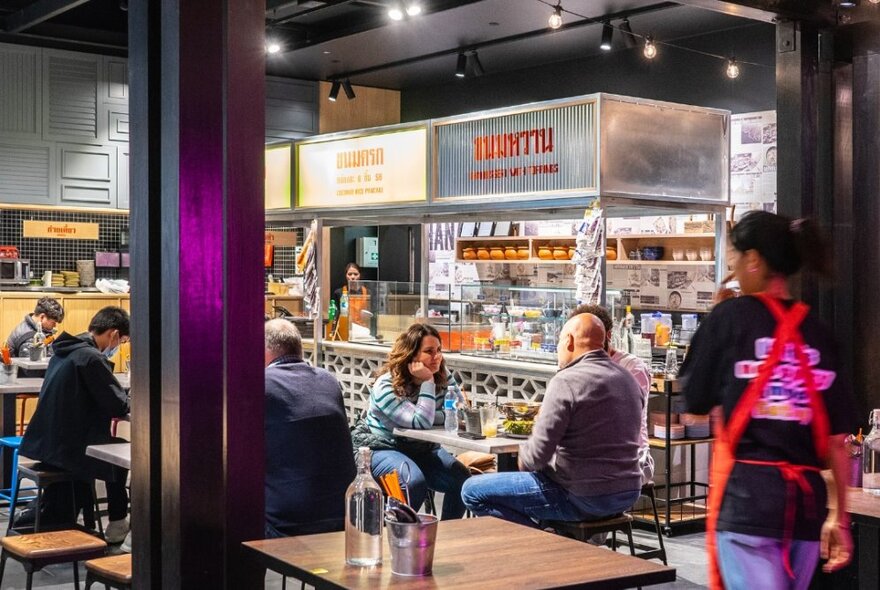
<point x="355" y="366"/>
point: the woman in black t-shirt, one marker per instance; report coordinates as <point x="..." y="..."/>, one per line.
<point x="771" y="365"/>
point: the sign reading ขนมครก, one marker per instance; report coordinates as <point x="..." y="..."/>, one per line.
<point x="522" y="153"/>
<point x="60" y="230"/>
<point x="370" y="170"/>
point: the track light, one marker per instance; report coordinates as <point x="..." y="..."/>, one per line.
<point x="349" y="91"/>
<point x="413" y="9"/>
<point x="334" y="90"/>
<point x="395" y="12"/>
<point x="476" y="65"/>
<point x="607" y="37"/>
<point x="732" y="68"/>
<point x="556" y="18"/>
<point x="461" y="66"/>
<point x="628" y="37"/>
<point x="650" y="50"/>
<point x="273" y="47"/>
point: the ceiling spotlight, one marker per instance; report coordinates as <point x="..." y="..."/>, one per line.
<point x="849" y="3"/>
<point x="556" y="18"/>
<point x="334" y="90"/>
<point x="476" y="65"/>
<point x="349" y="91"/>
<point x="461" y="66"/>
<point x="650" y="50"/>
<point x="273" y="47"/>
<point x="628" y="37"/>
<point x="395" y="12"/>
<point x="413" y="9"/>
<point x="123" y="4"/>
<point x="607" y="37"/>
<point x="732" y="68"/>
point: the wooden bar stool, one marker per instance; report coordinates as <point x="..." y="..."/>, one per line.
<point x="37" y="550"/>
<point x="24" y="398"/>
<point x="113" y="571"/>
<point x="583" y="530"/>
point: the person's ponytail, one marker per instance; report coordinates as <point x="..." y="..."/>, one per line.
<point x="813" y="246"/>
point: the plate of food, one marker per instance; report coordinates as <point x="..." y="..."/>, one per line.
<point x="518" y="428"/>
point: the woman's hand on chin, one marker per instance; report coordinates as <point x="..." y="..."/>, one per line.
<point x="420" y="372"/>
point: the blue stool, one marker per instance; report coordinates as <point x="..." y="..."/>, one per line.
<point x="13" y="442"/>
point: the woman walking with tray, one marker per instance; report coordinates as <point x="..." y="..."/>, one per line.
<point x="771" y="365"/>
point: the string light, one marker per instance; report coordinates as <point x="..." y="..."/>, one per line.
<point x="555" y="20"/>
<point x="732" y="68"/>
<point x="650" y="50"/>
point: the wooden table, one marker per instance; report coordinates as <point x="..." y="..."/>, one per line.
<point x="29" y="365"/>
<point x="864" y="510"/>
<point x="505" y="448"/>
<point x="118" y="454"/>
<point x="485" y="553"/>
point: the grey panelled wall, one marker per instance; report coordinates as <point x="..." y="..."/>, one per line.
<point x="64" y="125"/>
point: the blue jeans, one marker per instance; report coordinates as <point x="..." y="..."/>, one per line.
<point x="749" y="561"/>
<point x="527" y="498"/>
<point x="435" y="469"/>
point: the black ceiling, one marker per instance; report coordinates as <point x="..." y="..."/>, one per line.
<point x="325" y="39"/>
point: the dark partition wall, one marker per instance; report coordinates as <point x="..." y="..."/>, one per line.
<point x="675" y="76"/>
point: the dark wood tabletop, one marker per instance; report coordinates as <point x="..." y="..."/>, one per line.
<point x="485" y="553"/>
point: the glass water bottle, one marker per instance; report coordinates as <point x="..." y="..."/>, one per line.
<point x="871" y="456"/>
<point x="363" y="515"/>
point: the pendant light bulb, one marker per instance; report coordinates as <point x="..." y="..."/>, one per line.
<point x="650" y="50"/>
<point x="732" y="68"/>
<point x="556" y="18"/>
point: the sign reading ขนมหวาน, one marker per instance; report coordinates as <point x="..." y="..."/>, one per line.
<point x="377" y="169"/>
<point x="60" y="230"/>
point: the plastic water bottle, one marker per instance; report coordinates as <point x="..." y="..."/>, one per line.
<point x="363" y="515"/>
<point x="871" y="457"/>
<point x="449" y="400"/>
<point x="343" y="304"/>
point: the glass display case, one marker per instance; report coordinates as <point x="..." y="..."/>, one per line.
<point x="379" y="311"/>
<point x="513" y="322"/>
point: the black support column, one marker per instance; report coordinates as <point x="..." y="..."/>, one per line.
<point x="197" y="109"/>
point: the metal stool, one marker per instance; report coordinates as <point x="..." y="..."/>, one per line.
<point x="37" y="550"/>
<point x="651" y="553"/>
<point x="13" y="442"/>
<point x="582" y="530"/>
<point x="43" y="476"/>
<point x="113" y="571"/>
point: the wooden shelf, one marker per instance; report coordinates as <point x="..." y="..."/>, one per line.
<point x="659" y="236"/>
<point x="662" y="262"/>
<point x="530" y="242"/>
<point x="660" y="443"/>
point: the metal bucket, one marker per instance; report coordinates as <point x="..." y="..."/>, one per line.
<point x="412" y="545"/>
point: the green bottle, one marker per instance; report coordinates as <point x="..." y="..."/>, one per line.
<point x="332" y="312"/>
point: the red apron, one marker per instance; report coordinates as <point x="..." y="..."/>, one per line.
<point x="729" y="434"/>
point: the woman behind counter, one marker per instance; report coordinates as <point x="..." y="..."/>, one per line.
<point x="409" y="394"/>
<point x="357" y="300"/>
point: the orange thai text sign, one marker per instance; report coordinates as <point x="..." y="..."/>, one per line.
<point x="60" y="230"/>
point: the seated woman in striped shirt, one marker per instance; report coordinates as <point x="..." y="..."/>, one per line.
<point x="409" y="394"/>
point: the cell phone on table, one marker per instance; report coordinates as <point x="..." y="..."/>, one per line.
<point x="471" y="435"/>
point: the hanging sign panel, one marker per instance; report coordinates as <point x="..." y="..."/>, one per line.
<point x="371" y="170"/>
<point x="60" y="230"/>
<point x="548" y="150"/>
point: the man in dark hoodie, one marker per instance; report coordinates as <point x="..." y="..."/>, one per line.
<point x="78" y="398"/>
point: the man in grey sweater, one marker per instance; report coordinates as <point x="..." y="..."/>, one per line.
<point x="582" y="460"/>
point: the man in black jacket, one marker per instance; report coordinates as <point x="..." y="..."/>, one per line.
<point x="47" y="313"/>
<point x="78" y="398"/>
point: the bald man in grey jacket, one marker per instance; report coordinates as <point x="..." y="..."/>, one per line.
<point x="581" y="461"/>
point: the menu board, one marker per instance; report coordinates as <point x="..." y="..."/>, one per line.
<point x="278" y="177"/>
<point x="753" y="157"/>
<point x="681" y="287"/>
<point x="370" y="170"/>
